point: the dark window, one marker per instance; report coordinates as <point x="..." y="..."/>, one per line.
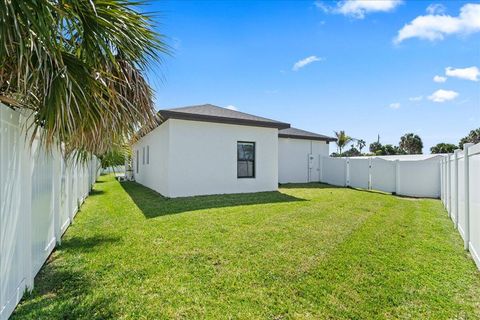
<point x="148" y="154"/>
<point x="245" y="159"/>
<point x="143" y="155"/>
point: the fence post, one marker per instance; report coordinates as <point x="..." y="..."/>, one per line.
<point x="455" y="154"/>
<point x="444" y="172"/>
<point x="347" y="172"/>
<point x="466" y="177"/>
<point x="397" y="176"/>
<point x="27" y="163"/>
<point x="370" y="173"/>
<point x="57" y="193"/>
<point x="321" y="168"/>
<point x="441" y="181"/>
<point x="449" y="186"/>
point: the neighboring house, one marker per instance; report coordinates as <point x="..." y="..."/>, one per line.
<point x="206" y="149"/>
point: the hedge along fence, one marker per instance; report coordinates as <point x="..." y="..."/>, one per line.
<point x="40" y="194"/>
<point x="460" y="194"/>
<point x="403" y="176"/>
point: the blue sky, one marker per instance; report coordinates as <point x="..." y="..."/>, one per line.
<point x="367" y="67"/>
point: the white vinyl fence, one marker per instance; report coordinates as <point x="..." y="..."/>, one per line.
<point x="40" y="194"/>
<point x="404" y="176"/>
<point x="460" y="194"/>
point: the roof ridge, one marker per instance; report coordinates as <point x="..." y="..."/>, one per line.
<point x="213" y="113"/>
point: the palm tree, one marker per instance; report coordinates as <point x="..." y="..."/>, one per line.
<point x="361" y="144"/>
<point x="78" y="67"/>
<point x="342" y="140"/>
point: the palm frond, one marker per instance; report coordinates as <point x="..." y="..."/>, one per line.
<point x="79" y="66"/>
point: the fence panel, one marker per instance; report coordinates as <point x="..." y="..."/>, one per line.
<point x="419" y="178"/>
<point x="43" y="236"/>
<point x="334" y="171"/>
<point x="359" y="173"/>
<point x="474" y="202"/>
<point x="383" y="175"/>
<point x="12" y="216"/>
<point x="39" y="193"/>
<point x="461" y="178"/>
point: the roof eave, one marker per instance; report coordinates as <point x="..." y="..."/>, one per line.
<point x="168" y="114"/>
<point x="300" y="137"/>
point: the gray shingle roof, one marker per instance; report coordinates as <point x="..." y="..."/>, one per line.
<point x="211" y="113"/>
<point x="295" y="133"/>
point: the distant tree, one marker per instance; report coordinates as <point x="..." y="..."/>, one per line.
<point x="375" y="146"/>
<point x="473" y="137"/>
<point x="353" y="152"/>
<point x="342" y="140"/>
<point x="443" y="148"/>
<point x="115" y="157"/>
<point x="388" y="150"/>
<point x="361" y="144"/>
<point x="411" y="143"/>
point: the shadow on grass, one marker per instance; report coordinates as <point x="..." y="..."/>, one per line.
<point x="392" y="194"/>
<point x="62" y="290"/>
<point x="78" y="244"/>
<point x="154" y="204"/>
<point x="96" y="192"/>
<point x="312" y="185"/>
<point x="317" y="185"/>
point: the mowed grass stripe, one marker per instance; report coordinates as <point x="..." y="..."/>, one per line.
<point x="306" y="252"/>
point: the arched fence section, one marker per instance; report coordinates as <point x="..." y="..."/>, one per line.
<point x="408" y="176"/>
<point x="40" y="193"/>
<point x="454" y="178"/>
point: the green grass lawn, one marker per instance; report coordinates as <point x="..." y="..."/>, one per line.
<point x="305" y="252"/>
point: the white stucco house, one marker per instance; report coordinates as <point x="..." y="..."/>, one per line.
<point x="205" y="149"/>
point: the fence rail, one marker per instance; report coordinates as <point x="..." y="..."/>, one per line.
<point x="40" y="194"/>
<point x="460" y="194"/>
<point x="415" y="178"/>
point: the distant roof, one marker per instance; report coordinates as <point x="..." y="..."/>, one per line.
<point x="295" y="133"/>
<point x="211" y="113"/>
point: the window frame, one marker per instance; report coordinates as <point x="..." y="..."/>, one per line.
<point x="254" y="161"/>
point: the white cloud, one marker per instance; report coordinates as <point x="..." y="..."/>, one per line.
<point x="304" y="62"/>
<point x="436" y="26"/>
<point x="443" y="95"/>
<point x="230" y="107"/>
<point x="418" y="98"/>
<point x="436" y="8"/>
<point x="395" y="105"/>
<point x="439" y="79"/>
<point x="471" y="73"/>
<point x="358" y="8"/>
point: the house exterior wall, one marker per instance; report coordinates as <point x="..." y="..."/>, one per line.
<point x="203" y="158"/>
<point x="293" y="163"/>
<point x="154" y="172"/>
<point x="190" y="158"/>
